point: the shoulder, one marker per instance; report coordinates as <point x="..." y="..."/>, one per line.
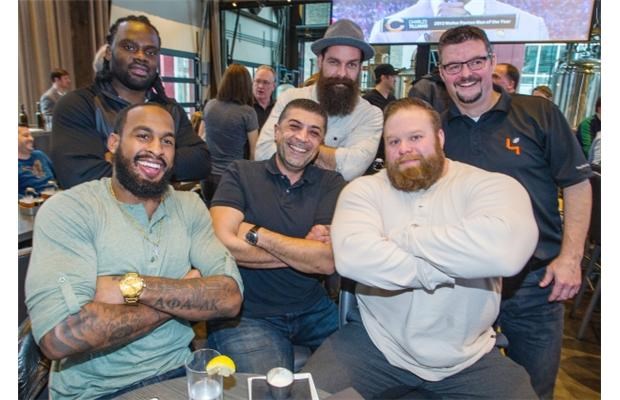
<point x="364" y="111"/>
<point x="296" y="93"/>
<point x="471" y="177"/>
<point x="85" y="199"/>
<point x="40" y="155"/>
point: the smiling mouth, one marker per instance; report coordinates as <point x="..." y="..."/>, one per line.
<point x="150" y="168"/>
<point x="297" y="149"/>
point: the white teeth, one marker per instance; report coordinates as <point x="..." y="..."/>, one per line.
<point x="299" y="149"/>
<point x="149" y="164"/>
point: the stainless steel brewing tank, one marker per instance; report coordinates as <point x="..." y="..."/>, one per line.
<point x="576" y="85"/>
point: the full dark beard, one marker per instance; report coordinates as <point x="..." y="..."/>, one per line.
<point x="337" y="100"/>
<point x="420" y="177"/>
<point x="137" y="186"/>
<point x="122" y="74"/>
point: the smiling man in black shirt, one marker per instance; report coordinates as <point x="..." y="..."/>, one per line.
<point x="529" y="139"/>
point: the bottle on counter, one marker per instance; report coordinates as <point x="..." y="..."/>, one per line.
<point x="39" y="116"/>
<point x="23" y="117"/>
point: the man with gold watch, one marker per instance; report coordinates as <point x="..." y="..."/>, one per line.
<point x="120" y="266"/>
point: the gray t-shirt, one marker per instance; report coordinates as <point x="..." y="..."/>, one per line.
<point x="227" y="125"/>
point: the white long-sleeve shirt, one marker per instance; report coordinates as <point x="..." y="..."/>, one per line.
<point x="355" y="136"/>
<point x="429" y="263"/>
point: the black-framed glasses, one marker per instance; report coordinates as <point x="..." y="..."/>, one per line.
<point x="475" y="64"/>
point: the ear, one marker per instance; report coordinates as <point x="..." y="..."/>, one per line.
<point x="441" y="136"/>
<point x="319" y="61"/>
<point x="113" y="142"/>
<point x="276" y="132"/>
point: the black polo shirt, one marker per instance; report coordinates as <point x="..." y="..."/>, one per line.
<point x="266" y="198"/>
<point x="528" y="138"/>
<point x="262" y="113"/>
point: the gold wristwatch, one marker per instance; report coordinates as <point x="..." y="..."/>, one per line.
<point x="131" y="287"/>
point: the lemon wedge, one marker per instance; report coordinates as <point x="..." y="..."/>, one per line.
<point x="221" y="365"/>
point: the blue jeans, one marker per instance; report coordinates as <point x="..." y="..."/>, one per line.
<point x="175" y="373"/>
<point x="534" y="329"/>
<point x="349" y="358"/>
<point x="259" y="344"/>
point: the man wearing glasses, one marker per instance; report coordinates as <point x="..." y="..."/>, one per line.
<point x="529" y="139"/>
<point x="262" y="89"/>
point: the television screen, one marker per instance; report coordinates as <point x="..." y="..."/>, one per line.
<point x="505" y="21"/>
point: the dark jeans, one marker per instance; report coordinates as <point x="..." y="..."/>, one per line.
<point x="349" y="358"/>
<point x="175" y="373"/>
<point x="534" y="329"/>
<point x="259" y="344"/>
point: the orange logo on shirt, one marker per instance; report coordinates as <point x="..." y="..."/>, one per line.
<point x="512" y="147"/>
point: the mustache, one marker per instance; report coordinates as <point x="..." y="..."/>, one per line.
<point x="332" y="81"/>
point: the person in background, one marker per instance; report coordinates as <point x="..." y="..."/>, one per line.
<point x="543" y="91"/>
<point x="353" y="125"/>
<point x="262" y="88"/>
<point x="34" y="166"/>
<point x="428" y="241"/>
<point x="274" y="217"/>
<point x="431" y="89"/>
<point x="84" y="118"/>
<point x="61" y="84"/>
<point x="120" y="265"/>
<point x="380" y="96"/>
<point x="528" y="138"/>
<point x="198" y="124"/>
<point x="382" y="93"/>
<point x="507" y="76"/>
<point x="231" y="125"/>
<point x="99" y="58"/>
<point x="589" y="127"/>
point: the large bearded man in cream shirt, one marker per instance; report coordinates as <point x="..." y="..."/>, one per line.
<point x="428" y="240"/>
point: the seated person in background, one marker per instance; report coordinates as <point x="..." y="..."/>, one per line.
<point x="84" y="118"/>
<point x="34" y="167"/>
<point x="507" y="76"/>
<point x="274" y="217"/>
<point x="120" y="265"/>
<point x="428" y="240"/>
<point x="353" y="125"/>
<point x="543" y="91"/>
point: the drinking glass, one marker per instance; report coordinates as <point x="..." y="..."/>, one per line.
<point x="200" y="385"/>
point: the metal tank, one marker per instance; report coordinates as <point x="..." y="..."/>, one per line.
<point x="576" y="85"/>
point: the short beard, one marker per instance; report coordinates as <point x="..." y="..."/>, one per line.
<point x="137" y="186"/>
<point x="420" y="177"/>
<point x="337" y="100"/>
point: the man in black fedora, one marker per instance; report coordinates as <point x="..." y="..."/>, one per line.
<point x="354" y="125"/>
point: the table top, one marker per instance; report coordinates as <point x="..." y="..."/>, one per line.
<point x="235" y="388"/>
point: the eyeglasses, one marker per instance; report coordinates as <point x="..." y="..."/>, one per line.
<point x="474" y="64"/>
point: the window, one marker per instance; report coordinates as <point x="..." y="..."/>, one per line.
<point x="179" y="73"/>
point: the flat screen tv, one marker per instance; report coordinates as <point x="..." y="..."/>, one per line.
<point x="505" y="21"/>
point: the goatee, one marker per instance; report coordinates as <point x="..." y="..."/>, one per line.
<point x="130" y="180"/>
<point x="337" y="96"/>
<point x="417" y="178"/>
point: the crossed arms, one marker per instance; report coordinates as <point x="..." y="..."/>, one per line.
<point x="107" y="322"/>
<point x="312" y="254"/>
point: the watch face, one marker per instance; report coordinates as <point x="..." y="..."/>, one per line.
<point x="131" y="285"/>
<point x="252" y="237"/>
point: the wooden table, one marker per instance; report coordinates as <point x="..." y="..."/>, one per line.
<point x="235" y="388"/>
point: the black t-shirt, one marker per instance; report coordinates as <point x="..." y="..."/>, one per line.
<point x="266" y="198"/>
<point x="262" y="113"/>
<point x="375" y="98"/>
<point x="529" y="139"/>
